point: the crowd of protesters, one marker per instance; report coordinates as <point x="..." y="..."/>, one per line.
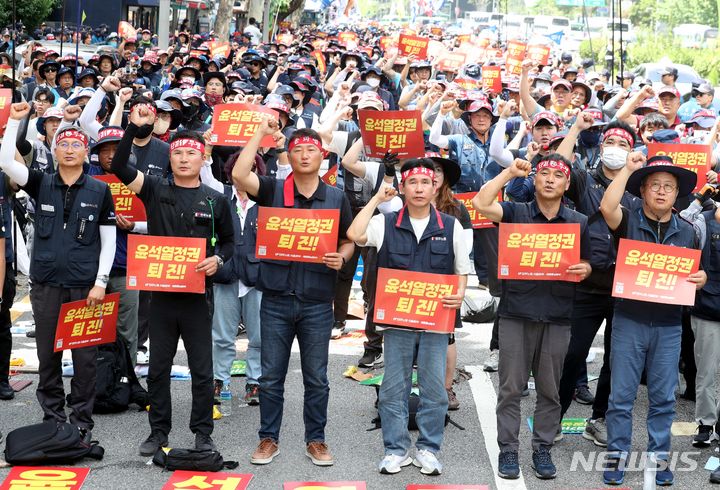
<point x="560" y="143"/>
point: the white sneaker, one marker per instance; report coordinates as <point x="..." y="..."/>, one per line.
<point x="427" y="462"/>
<point x="143" y="358"/>
<point x="492" y="362"/>
<point x="393" y="463"/>
<point x="338" y="330"/>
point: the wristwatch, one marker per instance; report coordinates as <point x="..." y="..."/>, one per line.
<point x="220" y="261"/>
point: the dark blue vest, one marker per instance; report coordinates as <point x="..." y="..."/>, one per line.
<point x="707" y="301"/>
<point x="679" y="234"/>
<point x="67" y="255"/>
<point x="243" y="265"/>
<point x="539" y="301"/>
<point x="434" y="253"/>
<point x="310" y="282"/>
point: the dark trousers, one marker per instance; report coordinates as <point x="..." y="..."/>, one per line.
<point x="186" y="315"/>
<point x="345" y="281"/>
<point x="143" y="320"/>
<point x="8" y="296"/>
<point x="374" y="337"/>
<point x="46" y="301"/>
<point x="687" y="353"/>
<point x="589" y="311"/>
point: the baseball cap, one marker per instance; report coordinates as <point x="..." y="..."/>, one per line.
<point x="668" y="90"/>
<point x="545" y="116"/>
<point x="562" y="82"/>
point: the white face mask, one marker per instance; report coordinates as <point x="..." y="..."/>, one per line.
<point x="373" y="82"/>
<point x="161" y="127"/>
<point x="614" y="157"/>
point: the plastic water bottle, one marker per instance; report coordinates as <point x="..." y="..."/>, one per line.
<point x="649" y="473"/>
<point x="226" y="401"/>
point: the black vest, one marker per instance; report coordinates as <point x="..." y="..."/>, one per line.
<point x="679" y="234"/>
<point x="243" y="265"/>
<point x="707" y="301"/>
<point x="67" y="255"/>
<point x="157" y="159"/>
<point x="312" y="282"/>
<point x="42" y="159"/>
<point x="539" y="301"/>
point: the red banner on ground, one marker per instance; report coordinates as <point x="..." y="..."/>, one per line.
<point x="415" y="45"/>
<point x="80" y="325"/>
<point x="477" y="219"/>
<point x="196" y="480"/>
<point x="126" y="201"/>
<point x="492" y="79"/>
<point x="324" y="485"/>
<point x="297" y="235"/>
<point x="539" y="53"/>
<point x="692" y="157"/>
<point x="655" y="273"/>
<point x="165" y="263"/>
<point x="235" y="124"/>
<point x="538" y="252"/>
<point x="413" y="299"/>
<point x="395" y="131"/>
<point x="27" y="477"/>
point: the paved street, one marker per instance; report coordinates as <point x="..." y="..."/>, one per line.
<point x="469" y="455"/>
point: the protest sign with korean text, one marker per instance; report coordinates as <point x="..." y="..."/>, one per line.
<point x="451" y="61"/>
<point x="5" y="102"/>
<point x="285" y="38"/>
<point x="127" y="203"/>
<point x="80" y="325"/>
<point x="28" y="477"/>
<point x="219" y="49"/>
<point x="126" y="30"/>
<point x="476" y="218"/>
<point x="394" y="131"/>
<point x="515" y="56"/>
<point x="655" y="273"/>
<point x="164" y="263"/>
<point x="692" y="157"/>
<point x="324" y="485"/>
<point x="538" y="252"/>
<point x="387" y="42"/>
<point x="234" y="124"/>
<point x="297" y="235"/>
<point x="410" y="44"/>
<point x="320" y="58"/>
<point x="539" y="53"/>
<point x="205" y="480"/>
<point x="413" y="299"/>
<point x="463" y="39"/>
<point x="348" y="39"/>
<point x="492" y="79"/>
<point x="330" y="177"/>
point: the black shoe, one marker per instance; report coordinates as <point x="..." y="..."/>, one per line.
<point x="241" y="329"/>
<point x="153" y="443"/>
<point x="688" y="395"/>
<point x="543" y="464"/>
<point x="6" y="391"/>
<point x="704" y="436"/>
<point x="526" y="390"/>
<point x="370" y="359"/>
<point x="584" y="396"/>
<point x="30" y="333"/>
<point x="508" y="465"/>
<point x="204" y="442"/>
<point x="715" y="475"/>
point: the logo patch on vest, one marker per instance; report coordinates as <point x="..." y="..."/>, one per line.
<point x="715" y="236"/>
<point x="48" y="207"/>
<point x="88" y="205"/>
<point x="442" y="238"/>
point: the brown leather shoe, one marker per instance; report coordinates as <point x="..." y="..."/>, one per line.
<point x="265" y="452"/>
<point x="319" y="453"/>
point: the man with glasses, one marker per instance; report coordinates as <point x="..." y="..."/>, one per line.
<point x="255" y="64"/>
<point x="646" y="335"/>
<point x="72" y="255"/>
<point x="43" y="99"/>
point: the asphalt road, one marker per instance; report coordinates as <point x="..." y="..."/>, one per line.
<point x="468" y="455"/>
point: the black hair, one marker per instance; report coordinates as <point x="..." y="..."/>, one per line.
<point x="655" y="119"/>
<point x="621" y="125"/>
<point x="191" y="135"/>
<point x="417" y="163"/>
<point x="48" y="93"/>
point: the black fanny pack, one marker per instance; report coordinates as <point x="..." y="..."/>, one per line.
<point x="191" y="460"/>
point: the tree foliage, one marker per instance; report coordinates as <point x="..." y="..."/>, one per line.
<point x="670" y="13"/>
<point x="30" y="12"/>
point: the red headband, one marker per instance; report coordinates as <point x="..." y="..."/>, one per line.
<point x="305" y="140"/>
<point x="619" y="132"/>
<point x="187" y="143"/>
<point x="72" y="134"/>
<point x="554" y="165"/>
<point x="418" y="171"/>
<point x="150" y="107"/>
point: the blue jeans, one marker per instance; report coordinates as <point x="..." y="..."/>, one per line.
<point x="634" y="347"/>
<point x="229" y="310"/>
<point x="282" y="319"/>
<point x="400" y="347"/>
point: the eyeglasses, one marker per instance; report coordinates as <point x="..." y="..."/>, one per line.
<point x="253" y="63"/>
<point x="655" y="186"/>
<point x="51" y="69"/>
<point x="64" y="145"/>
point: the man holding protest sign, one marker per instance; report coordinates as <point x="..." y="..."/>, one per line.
<point x="71" y="260"/>
<point x="534" y="325"/>
<point x="647" y="336"/>
<point x="416" y="238"/>
<point x="182" y="208"/>
<point x="297" y="296"/>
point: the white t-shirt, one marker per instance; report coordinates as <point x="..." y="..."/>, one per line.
<point x="255" y="34"/>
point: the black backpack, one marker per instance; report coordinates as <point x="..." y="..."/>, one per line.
<point x="191" y="460"/>
<point x="50" y="443"/>
<point x="413" y="405"/>
<point x="117" y="386"/>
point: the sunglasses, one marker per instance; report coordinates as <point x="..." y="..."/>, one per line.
<point x="51" y="69"/>
<point x="253" y="63"/>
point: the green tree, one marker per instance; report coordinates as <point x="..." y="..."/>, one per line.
<point x="30" y="12"/>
